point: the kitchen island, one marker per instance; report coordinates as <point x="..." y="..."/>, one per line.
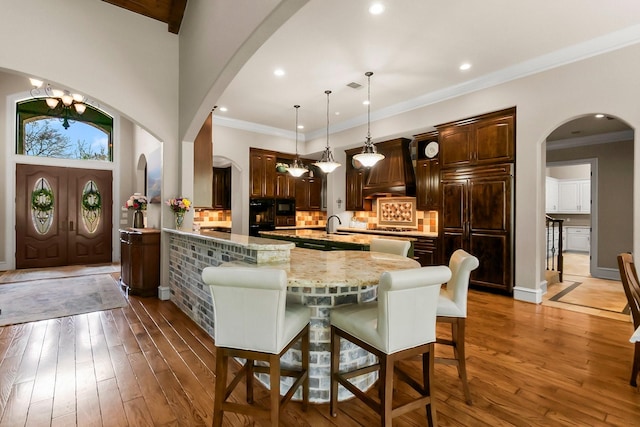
<point x="318" y="279"/>
<point x="319" y="239"/>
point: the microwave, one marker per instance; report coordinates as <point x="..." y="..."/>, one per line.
<point x="286" y="207"/>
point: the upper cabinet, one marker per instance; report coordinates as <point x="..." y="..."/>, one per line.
<point x="574" y="196"/>
<point x="309" y="191"/>
<point x="221" y="188"/>
<point x="551" y="195"/>
<point x="203" y="165"/>
<point x="427" y="172"/>
<point x="481" y="140"/>
<point x="262" y="165"/>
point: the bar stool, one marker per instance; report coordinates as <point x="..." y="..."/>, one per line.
<point x="390" y="246"/>
<point x="399" y="325"/>
<point x="452" y="309"/>
<point x="252" y="322"/>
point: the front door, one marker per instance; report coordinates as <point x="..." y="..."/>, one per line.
<point x="63" y="216"/>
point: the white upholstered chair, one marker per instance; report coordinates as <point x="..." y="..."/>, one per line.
<point x="252" y="321"/>
<point x="452" y="309"/>
<point x="390" y="246"/>
<point x="399" y="325"/>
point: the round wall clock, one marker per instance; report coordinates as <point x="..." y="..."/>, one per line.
<point x="431" y="150"/>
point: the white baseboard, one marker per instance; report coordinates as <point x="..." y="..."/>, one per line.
<point x="530" y="295"/>
<point x="164" y="293"/>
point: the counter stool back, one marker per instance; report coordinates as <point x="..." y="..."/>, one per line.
<point x="452" y="309"/>
<point x="252" y="321"/>
<point x="390" y="246"/>
<point x="388" y="328"/>
<point x="629" y="278"/>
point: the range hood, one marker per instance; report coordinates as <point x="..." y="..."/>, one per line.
<point x="393" y="175"/>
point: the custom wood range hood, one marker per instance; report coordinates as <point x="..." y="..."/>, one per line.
<point x="393" y="175"/>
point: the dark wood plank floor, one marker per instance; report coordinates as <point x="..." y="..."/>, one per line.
<point x="148" y="364"/>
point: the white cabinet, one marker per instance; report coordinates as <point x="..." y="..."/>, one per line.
<point x="578" y="239"/>
<point x="574" y="196"/>
<point x="551" y="195"/>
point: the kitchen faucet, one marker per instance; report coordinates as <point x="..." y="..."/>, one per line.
<point x="328" y="222"/>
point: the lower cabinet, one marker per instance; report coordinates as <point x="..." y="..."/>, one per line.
<point x="425" y="251"/>
<point x="140" y="260"/>
<point x="578" y="239"/>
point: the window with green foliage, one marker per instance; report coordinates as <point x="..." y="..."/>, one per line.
<point x="42" y="134"/>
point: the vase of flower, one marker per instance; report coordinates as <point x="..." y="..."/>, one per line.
<point x="138" y="219"/>
<point x="179" y="220"/>
<point x="179" y="206"/>
<point x="137" y="203"/>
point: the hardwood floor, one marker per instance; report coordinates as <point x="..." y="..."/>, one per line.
<point x="148" y="364"/>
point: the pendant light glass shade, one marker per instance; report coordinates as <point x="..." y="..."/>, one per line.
<point x="327" y="164"/>
<point x="297" y="169"/>
<point x="369" y="156"/>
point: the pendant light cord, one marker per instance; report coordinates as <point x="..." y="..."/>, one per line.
<point x="296" y="107"/>
<point x="368" y="74"/>
<point x="327" y="92"/>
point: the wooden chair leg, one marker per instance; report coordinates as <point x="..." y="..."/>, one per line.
<point x="457" y="333"/>
<point x="427" y="375"/>
<point x="335" y="366"/>
<point x="306" y="346"/>
<point x="221" y="385"/>
<point x="249" y="380"/>
<point x="274" y="386"/>
<point x="386" y="389"/>
<point x="636" y="365"/>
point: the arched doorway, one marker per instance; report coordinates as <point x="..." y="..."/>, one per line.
<point x="589" y="163"/>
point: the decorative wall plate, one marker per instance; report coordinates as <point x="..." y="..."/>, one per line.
<point x="431" y="150"/>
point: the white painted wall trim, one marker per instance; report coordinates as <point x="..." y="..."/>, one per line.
<point x="530" y="295"/>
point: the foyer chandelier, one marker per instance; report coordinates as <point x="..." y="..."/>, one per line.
<point x="369" y="156"/>
<point x="63" y="104"/>
<point x="297" y="168"/>
<point x="327" y="164"/>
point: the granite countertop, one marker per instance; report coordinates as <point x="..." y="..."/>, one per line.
<point x="327" y="269"/>
<point x="249" y="242"/>
<point x="415" y="233"/>
<point x="363" y="239"/>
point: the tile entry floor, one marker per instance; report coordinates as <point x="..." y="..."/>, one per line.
<point x="585" y="294"/>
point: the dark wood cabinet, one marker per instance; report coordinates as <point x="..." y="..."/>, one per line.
<point x="262" y="167"/>
<point x="477" y="216"/>
<point x="355" y="177"/>
<point x="482" y="140"/>
<point x="140" y="260"/>
<point x="285" y="185"/>
<point x="426" y="252"/>
<point x="308" y="190"/>
<point x="428" y="184"/>
<point x="221" y="188"/>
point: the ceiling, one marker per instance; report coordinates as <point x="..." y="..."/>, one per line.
<point x="414" y="48"/>
<point x="168" y="11"/>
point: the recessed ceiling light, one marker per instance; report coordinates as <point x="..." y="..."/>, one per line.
<point x="465" y="66"/>
<point x="376" y="8"/>
<point x="278" y="72"/>
<point x="365" y="102"/>
<point x="300" y="126"/>
<point x="599" y="116"/>
<point x="337" y="113"/>
<point x="223" y="109"/>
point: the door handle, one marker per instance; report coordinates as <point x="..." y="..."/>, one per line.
<point x="70" y="225"/>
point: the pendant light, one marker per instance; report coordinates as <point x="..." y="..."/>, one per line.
<point x="297" y="168"/>
<point x="327" y="164"/>
<point x="369" y="156"/>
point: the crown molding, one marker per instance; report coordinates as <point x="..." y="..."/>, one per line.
<point x="603" y="138"/>
<point x="578" y="52"/>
